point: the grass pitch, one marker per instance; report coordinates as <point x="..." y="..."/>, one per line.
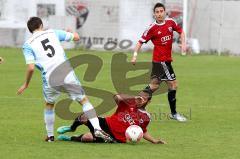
<point x="208" y="95"/>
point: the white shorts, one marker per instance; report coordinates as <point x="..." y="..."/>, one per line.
<point x="72" y="87"/>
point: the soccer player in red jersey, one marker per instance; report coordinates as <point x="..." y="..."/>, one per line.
<point x="160" y="33"/>
<point x="130" y="111"/>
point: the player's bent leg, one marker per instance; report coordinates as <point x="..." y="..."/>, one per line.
<point x="49" y="118"/>
<point x="153" y="85"/>
<point x="90" y="112"/>
<point x="87" y="107"/>
<point x="91" y="115"/>
<point x="64" y="138"/>
<point x="172" y="85"/>
<point x="87" y="137"/>
<point x="81" y="119"/>
<point x="64" y="129"/>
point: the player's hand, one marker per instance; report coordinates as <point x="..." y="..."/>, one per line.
<point x="183" y="47"/>
<point x="21" y="89"/>
<point x="159" y="141"/>
<point x="134" y="59"/>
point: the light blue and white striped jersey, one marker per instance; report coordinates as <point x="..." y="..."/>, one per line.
<point x="45" y="51"/>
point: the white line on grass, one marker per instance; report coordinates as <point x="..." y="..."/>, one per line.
<point x="24" y="98"/>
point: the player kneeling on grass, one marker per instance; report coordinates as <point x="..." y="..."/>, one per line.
<point x="130" y="111"/>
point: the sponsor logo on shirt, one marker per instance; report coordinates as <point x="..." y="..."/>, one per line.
<point x="166" y="38"/>
<point x="129" y="119"/>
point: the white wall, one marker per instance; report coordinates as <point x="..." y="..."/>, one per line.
<point x="15" y="14"/>
<point x="101" y="24"/>
<point x="134" y="18"/>
<point x="127" y="19"/>
<point x="20" y="11"/>
<point x="116" y="19"/>
<point x="215" y="29"/>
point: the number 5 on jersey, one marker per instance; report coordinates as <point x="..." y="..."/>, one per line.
<point x="48" y="46"/>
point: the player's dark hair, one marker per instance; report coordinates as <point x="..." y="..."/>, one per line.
<point x="158" y="5"/>
<point x="34" y="23"/>
<point x="147" y="94"/>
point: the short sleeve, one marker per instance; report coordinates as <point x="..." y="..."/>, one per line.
<point x="146" y="117"/>
<point x="176" y="27"/>
<point x="63" y="35"/>
<point x="144" y="130"/>
<point x="28" y="54"/>
<point x="147" y="35"/>
<point x="144" y="127"/>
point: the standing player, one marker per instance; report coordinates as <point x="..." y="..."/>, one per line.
<point x="44" y="51"/>
<point x="161" y="34"/>
<point x="130" y="111"/>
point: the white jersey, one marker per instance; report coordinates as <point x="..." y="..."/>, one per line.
<point x="45" y="51"/>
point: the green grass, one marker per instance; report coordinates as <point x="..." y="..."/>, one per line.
<point x="208" y="86"/>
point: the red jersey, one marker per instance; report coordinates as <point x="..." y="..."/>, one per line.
<point x="127" y="114"/>
<point x="161" y="36"/>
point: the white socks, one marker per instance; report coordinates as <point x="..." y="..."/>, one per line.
<point x="90" y="112"/>
<point x="49" y="118"/>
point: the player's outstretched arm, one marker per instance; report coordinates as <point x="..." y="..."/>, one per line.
<point x="29" y="73"/>
<point x="75" y="34"/>
<point x="149" y="138"/>
<point x="67" y="35"/>
<point x="136" y="50"/>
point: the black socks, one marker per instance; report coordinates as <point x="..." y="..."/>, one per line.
<point x="76" y="123"/>
<point x="172" y="101"/>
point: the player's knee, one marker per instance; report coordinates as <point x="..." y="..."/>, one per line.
<point x="88" y="137"/>
<point x="154" y="87"/>
<point x="84" y="100"/>
<point x="154" y="84"/>
<point x="49" y="106"/>
<point x="83" y="119"/>
<point x="173" y="85"/>
<point x="155" y="81"/>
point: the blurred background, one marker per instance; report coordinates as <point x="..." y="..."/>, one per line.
<point x="212" y="26"/>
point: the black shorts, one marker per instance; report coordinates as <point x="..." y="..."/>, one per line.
<point x="103" y="124"/>
<point x="163" y="71"/>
